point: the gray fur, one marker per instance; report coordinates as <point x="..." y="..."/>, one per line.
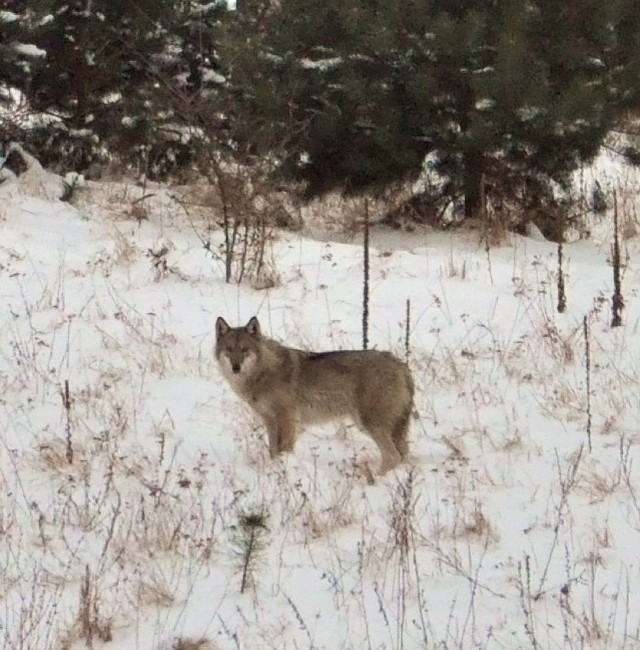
<point x="290" y="388"/>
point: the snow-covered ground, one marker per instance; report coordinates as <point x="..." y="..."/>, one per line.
<point x="132" y="475"/>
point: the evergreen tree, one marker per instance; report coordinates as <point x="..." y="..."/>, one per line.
<point x="192" y="83"/>
<point x="97" y="74"/>
<point x="17" y="58"/>
<point x="502" y="95"/>
<point x="197" y="35"/>
<point x="114" y="73"/>
<point x="10" y="35"/>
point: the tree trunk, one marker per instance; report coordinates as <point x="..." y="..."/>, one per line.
<point x="473" y="158"/>
<point x="473" y="185"/>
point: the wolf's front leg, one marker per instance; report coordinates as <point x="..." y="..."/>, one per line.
<point x="280" y="421"/>
<point x="272" y="431"/>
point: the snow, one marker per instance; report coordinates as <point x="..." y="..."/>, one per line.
<point x="484" y="104"/>
<point x="534" y="232"/>
<point x="528" y="113"/>
<point x="182" y="79"/>
<point x="84" y="133"/>
<point x="8" y="16"/>
<point x="111" y="98"/>
<point x="34" y="182"/>
<point x="209" y="6"/>
<point x="321" y="64"/>
<point x="510" y="526"/>
<point x="213" y="77"/>
<point x="28" y="49"/>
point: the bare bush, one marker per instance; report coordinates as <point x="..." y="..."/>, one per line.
<point x="246" y="220"/>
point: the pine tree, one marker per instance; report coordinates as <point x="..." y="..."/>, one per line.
<point x="505" y="97"/>
<point x="197" y="36"/>
<point x="112" y="72"/>
<point x="97" y="73"/>
<point x="18" y="56"/>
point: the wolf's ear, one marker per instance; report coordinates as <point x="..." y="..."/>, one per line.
<point x="253" y="327"/>
<point x="221" y="327"/>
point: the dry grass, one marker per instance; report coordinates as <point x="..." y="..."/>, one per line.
<point x="134" y="533"/>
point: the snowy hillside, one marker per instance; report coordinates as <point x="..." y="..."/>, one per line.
<point x="136" y="482"/>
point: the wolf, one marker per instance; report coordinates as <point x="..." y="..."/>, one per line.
<point x="290" y="388"/>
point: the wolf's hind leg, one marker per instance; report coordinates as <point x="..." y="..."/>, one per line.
<point x="391" y="456"/>
<point x="400" y="432"/>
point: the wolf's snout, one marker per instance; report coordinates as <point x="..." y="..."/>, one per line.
<point x="235" y="367"/>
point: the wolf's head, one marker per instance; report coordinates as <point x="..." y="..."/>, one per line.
<point x="238" y="348"/>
